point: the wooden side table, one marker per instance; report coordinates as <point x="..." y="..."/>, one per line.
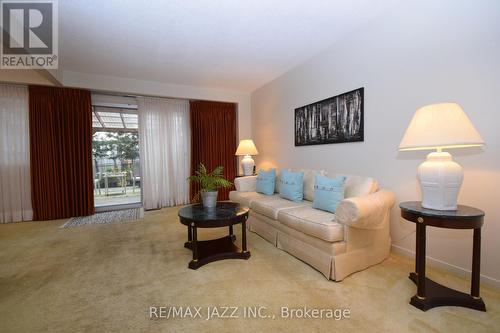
<point x="429" y="293"/>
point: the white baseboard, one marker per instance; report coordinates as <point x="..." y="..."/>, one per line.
<point x="495" y="283"/>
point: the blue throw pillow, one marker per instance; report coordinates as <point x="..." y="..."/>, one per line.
<point x="265" y="181"/>
<point x="328" y="192"/>
<point x="291" y="185"/>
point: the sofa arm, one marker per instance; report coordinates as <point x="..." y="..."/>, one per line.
<point x="246" y="184"/>
<point x="366" y="212"/>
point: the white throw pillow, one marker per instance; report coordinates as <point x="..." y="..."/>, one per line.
<point x="309" y="179"/>
<point x="358" y="186"/>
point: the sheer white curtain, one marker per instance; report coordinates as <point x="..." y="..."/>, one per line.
<point x="164" y="140"/>
<point x="15" y="188"/>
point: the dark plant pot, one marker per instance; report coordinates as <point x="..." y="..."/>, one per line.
<point x="209" y="199"/>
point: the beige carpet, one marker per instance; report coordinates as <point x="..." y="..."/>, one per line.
<point x="104" y="278"/>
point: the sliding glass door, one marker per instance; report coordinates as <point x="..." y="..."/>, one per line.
<point x="115" y="153"/>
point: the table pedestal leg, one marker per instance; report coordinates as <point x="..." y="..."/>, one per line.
<point x="194" y="246"/>
<point x="420" y="261"/>
<point x="417" y="251"/>
<point x="231" y="233"/>
<point x="190" y="238"/>
<point x="244" y="236"/>
<point x="476" y="264"/>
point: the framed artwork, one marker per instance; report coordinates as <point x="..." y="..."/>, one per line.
<point x="336" y="119"/>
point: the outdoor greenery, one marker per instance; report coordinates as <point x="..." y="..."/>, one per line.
<point x="209" y="181"/>
<point x="123" y="147"/>
<point x="118" y="147"/>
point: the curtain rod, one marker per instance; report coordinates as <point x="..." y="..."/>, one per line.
<point x="16" y="84"/>
<point x="111" y="93"/>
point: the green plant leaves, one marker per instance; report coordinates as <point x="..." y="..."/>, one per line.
<point x="209" y="181"/>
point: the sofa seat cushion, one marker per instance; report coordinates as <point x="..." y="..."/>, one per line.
<point x="313" y="222"/>
<point x="245" y="198"/>
<point x="271" y="205"/>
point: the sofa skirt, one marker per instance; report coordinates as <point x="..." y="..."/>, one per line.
<point x="334" y="260"/>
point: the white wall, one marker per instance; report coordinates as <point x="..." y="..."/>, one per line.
<point x="24" y="76"/>
<point x="424" y="52"/>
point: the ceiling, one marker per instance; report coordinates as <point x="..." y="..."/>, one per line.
<point x="114" y="119"/>
<point x="229" y="44"/>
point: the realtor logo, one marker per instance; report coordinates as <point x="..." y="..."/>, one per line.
<point x="29" y="34"/>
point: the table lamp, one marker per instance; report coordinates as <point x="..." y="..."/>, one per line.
<point x="247" y="148"/>
<point x="440" y="126"/>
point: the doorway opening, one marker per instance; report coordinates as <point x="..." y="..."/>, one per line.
<point x="115" y="155"/>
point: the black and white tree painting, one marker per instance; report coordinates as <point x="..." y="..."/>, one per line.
<point x="333" y="120"/>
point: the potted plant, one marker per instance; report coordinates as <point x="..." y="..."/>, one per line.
<point x="209" y="182"/>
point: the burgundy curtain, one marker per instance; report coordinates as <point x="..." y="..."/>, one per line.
<point x="61" y="152"/>
<point x="213" y="139"/>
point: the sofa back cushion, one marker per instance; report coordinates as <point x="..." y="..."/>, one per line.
<point x="265" y="181"/>
<point x="291" y="185"/>
<point x="277" y="182"/>
<point x="358" y="186"/>
<point x="328" y="192"/>
<point x="355" y="186"/>
<point x="310" y="181"/>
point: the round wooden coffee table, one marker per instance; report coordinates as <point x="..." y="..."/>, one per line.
<point x="226" y="214"/>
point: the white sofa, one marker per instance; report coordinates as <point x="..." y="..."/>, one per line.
<point x="354" y="238"/>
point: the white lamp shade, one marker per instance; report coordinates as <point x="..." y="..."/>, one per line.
<point x="442" y="125"/>
<point x="246" y="147"/>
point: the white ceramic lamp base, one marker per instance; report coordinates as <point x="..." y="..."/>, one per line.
<point x="247" y="163"/>
<point x="440" y="180"/>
